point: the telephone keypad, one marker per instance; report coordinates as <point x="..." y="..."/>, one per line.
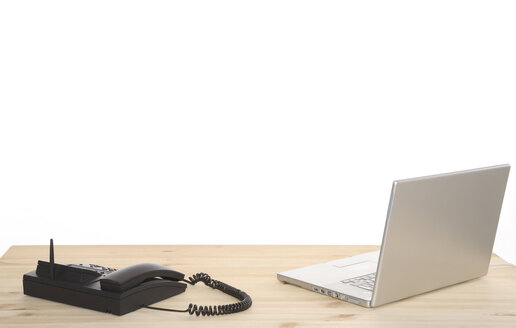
<point x="98" y="269"/>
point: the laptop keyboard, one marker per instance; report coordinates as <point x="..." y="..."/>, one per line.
<point x="364" y="282"/>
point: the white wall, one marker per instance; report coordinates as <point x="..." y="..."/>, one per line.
<point x="127" y="122"/>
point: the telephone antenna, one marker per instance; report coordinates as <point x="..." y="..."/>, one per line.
<point x="51" y="259"/>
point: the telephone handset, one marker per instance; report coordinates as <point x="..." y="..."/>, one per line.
<point x="122" y="291"/>
<point x="132" y="276"/>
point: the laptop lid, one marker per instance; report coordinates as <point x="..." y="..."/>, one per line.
<point x="440" y="231"/>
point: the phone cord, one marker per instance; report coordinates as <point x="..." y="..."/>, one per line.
<point x="244" y="304"/>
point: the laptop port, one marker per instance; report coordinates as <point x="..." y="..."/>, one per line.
<point x="315" y="289"/>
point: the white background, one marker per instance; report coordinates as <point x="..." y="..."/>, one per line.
<point x="283" y="122"/>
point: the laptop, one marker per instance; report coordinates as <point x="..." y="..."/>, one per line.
<point x="439" y="231"/>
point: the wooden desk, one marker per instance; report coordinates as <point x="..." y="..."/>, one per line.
<point x="488" y="301"/>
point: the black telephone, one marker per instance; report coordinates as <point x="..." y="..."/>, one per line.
<point x="122" y="291"/>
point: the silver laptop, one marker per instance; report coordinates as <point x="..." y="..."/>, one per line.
<point x="440" y="231"/>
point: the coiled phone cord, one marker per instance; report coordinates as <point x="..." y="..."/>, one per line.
<point x="244" y="304"/>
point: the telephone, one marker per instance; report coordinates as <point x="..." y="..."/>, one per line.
<point x="122" y="291"/>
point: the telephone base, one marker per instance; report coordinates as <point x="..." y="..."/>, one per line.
<point x="90" y="295"/>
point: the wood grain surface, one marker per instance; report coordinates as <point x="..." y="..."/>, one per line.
<point x="487" y="301"/>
